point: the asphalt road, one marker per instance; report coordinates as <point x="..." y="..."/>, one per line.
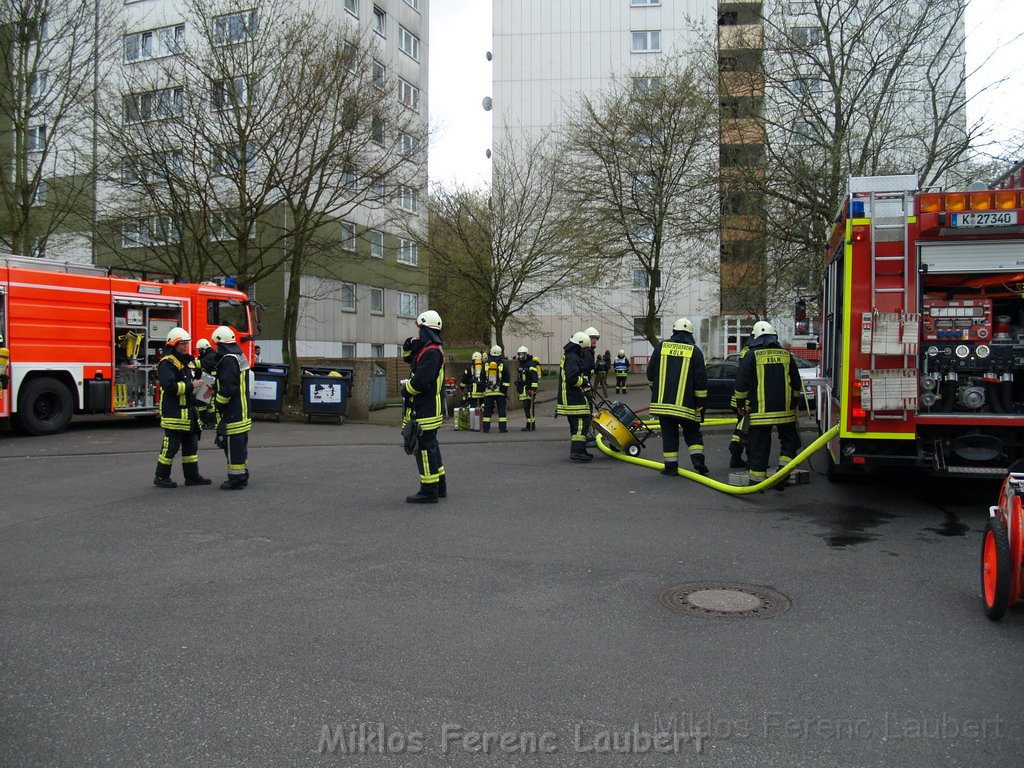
<point x="194" y="627"/>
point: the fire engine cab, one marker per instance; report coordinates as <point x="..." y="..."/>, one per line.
<point x="923" y="329"/>
<point x="83" y="341"/>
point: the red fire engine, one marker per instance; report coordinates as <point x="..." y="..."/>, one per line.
<point x="82" y="341"/>
<point x="923" y="329"/>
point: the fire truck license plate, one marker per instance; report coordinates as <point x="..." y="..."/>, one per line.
<point x="985" y="219"/>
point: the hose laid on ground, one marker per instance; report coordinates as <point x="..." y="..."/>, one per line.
<point x="765" y="484"/>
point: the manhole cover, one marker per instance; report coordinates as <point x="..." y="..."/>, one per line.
<point x="724" y="600"/>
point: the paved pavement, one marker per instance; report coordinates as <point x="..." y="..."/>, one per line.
<point x="142" y="627"/>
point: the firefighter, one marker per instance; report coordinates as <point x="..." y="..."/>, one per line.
<point x="231" y="401"/>
<point x="621" y="366"/>
<point x="178" y="415"/>
<point x="573" y="402"/>
<point x="496" y="390"/>
<point x="527" y="384"/>
<point x="472" y="384"/>
<point x="422" y="395"/>
<point x="679" y="389"/>
<point x="5" y="359"/>
<point x="739" y="435"/>
<point x="590" y="351"/>
<point x="768" y="388"/>
<point x="602" y="364"/>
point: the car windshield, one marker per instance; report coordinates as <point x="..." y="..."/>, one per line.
<point x="229" y="312"/>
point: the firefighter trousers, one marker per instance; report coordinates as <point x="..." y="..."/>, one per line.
<point x="579" y="426"/>
<point x="428" y="459"/>
<point x="760" y="446"/>
<point x="529" y="408"/>
<point x="236" y="449"/>
<point x="489" y="403"/>
<point x="670" y="428"/>
<point x="188" y="444"/>
<point x="620" y="383"/>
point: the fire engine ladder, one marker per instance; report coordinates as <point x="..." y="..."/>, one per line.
<point x="889" y="212"/>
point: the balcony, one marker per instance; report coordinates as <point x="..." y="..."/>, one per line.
<point x="740" y="177"/>
<point x="741" y="37"/>
<point x="743" y="131"/>
<point x="741" y="85"/>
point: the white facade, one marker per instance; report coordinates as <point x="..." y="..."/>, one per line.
<point x="549" y="53"/>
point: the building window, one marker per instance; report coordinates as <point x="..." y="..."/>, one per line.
<point x="377" y="192"/>
<point x="152" y="230"/>
<point x="728" y="19"/>
<point x="645" y="86"/>
<point x="235" y="27"/>
<point x="638" y="326"/>
<point x="407" y="145"/>
<point x="408" y="252"/>
<point x="144" y="170"/>
<point x="379" y="74"/>
<point x="38" y="87"/>
<point x="413" y="4"/>
<point x="155" y="105"/>
<point x="39" y="193"/>
<point x="348" y="236"/>
<point x="348" y="350"/>
<point x="641" y="278"/>
<point x="347" y="297"/>
<point x="229" y="159"/>
<point x="804" y="133"/>
<point x="805" y="37"/>
<point x="377" y="244"/>
<point x="37" y="138"/>
<point x="380" y="22"/>
<point x="409" y="94"/>
<point x="647" y="42"/>
<point x="352" y="6"/>
<point x="231" y="93"/>
<point x="408" y="199"/>
<point x="408" y="43"/>
<point x="378" y="131"/>
<point x="154" y="43"/>
<point x="728" y="64"/>
<point x="377" y="301"/>
<point x="377" y="350"/>
<point x="408" y="304"/>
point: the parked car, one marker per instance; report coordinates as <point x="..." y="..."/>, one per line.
<point x="722" y="380"/>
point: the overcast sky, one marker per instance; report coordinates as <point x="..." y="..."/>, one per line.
<point x="460" y="77"/>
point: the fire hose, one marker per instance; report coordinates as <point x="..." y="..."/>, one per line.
<point x="717" y="485"/>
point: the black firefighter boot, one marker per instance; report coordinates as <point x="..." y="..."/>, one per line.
<point x="671" y="469"/>
<point x="427" y="494"/>
<point x="442" y="487"/>
<point x="699" y="465"/>
<point x="736" y="460"/>
<point x="162" y="479"/>
<point x="578" y="452"/>
<point x="192" y="476"/>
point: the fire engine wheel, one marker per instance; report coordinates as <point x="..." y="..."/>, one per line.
<point x="45" y="406"/>
<point x="996" y="575"/>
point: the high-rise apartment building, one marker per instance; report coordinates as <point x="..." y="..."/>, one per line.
<point x="360" y="304"/>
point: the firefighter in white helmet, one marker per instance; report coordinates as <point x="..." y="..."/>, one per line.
<point x="472" y="384"/>
<point x="527" y="385"/>
<point x="573" y="402"/>
<point x="231" y="401"/>
<point x="496" y="390"/>
<point x="621" y="366"/>
<point x="178" y="414"/>
<point x="768" y="388"/>
<point x="679" y="390"/>
<point x="423" y="392"/>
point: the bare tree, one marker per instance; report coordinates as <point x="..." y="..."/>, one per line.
<point x="49" y="56"/>
<point x="641" y="161"/>
<point x="514" y="245"/>
<point x="849" y="88"/>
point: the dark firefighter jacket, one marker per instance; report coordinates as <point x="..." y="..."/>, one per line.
<point x="177" y="406"/>
<point x="473" y="381"/>
<point x="572" y="376"/>
<point x="528" y="377"/>
<point x="679" y="379"/>
<point x="232" y="392"/>
<point x="500" y="389"/>
<point x="732" y="399"/>
<point x="768" y="383"/>
<point x="425" y="386"/>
